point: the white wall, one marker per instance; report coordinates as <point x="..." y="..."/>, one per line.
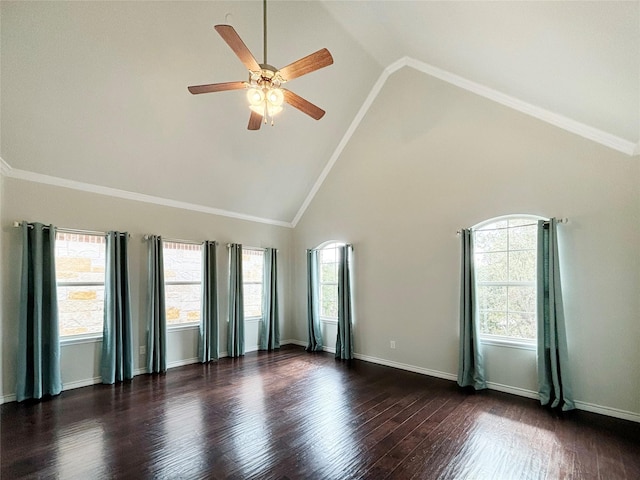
<point x="23" y="200"/>
<point x="430" y="158"/>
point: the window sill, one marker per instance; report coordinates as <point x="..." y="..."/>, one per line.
<point x="80" y="339"/>
<point x="496" y="341"/>
<point x="183" y="326"/>
<point x="253" y="319"/>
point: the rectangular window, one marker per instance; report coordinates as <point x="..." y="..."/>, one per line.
<point x="182" y="282"/>
<point x="505" y="268"/>
<point x="329" y="261"/>
<point x="80" y="270"/>
<point x="252" y="278"/>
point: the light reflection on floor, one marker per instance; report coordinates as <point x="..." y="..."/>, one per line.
<point x="495" y="444"/>
<point x="81" y="440"/>
<point x="182" y="425"/>
<point x="249" y="434"/>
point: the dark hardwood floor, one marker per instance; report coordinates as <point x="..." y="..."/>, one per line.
<point x="291" y="414"/>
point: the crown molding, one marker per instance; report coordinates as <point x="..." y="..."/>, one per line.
<point x="4" y="168"/>
<point x="10" y="172"/>
<point x="578" y="128"/>
<point x="573" y="126"/>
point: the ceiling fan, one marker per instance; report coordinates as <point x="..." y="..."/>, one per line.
<point x="264" y="87"/>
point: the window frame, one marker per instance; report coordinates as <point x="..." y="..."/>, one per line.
<point x="92" y="337"/>
<point x="253" y="318"/>
<point x="183" y="325"/>
<point x="504" y="340"/>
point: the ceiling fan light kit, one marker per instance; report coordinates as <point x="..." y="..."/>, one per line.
<point x="265" y="93"/>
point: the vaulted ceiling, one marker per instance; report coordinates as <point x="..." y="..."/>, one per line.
<point x="95" y="92"/>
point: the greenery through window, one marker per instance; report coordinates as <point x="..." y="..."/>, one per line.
<point x="329" y="258"/>
<point x="252" y="278"/>
<point x="505" y="272"/>
<point x="182" y="282"/>
<point x="80" y="270"/>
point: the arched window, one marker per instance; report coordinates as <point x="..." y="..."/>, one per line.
<point x="505" y="277"/>
<point x="328" y="260"/>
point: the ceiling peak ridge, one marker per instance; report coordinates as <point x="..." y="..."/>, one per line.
<point x="604" y="138"/>
<point x="10" y="172"/>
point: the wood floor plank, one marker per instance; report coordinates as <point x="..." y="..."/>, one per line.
<point x="290" y="414"/>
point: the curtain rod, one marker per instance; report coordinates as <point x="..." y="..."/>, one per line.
<point x="340" y="244"/>
<point x="177" y="240"/>
<point x="559" y="220"/>
<point x="247" y="247"/>
<point x="75" y="231"/>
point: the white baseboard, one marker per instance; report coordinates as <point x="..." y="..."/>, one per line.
<point x="65" y="386"/>
<point x="407" y="367"/>
<point x="608" y="411"/>
<point x="86" y="382"/>
<point x="182" y="363"/>
<point x="521" y="392"/>
<point x="8" y="398"/>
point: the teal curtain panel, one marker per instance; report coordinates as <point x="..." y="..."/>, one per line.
<point x="554" y="381"/>
<point x="208" y="335"/>
<point x="117" y="342"/>
<point x="313" y="307"/>
<point x="270" y="330"/>
<point x="470" y="362"/>
<point x="38" y="362"/>
<point x="344" y="340"/>
<point x="235" y="330"/>
<point x="156" y="323"/>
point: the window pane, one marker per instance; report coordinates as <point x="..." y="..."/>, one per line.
<point x="329" y="301"/>
<point x="493" y="323"/>
<point x="252" y="276"/>
<point x="491" y="267"/>
<point x="329" y="273"/>
<point x="522" y="299"/>
<point x="80" y="260"/>
<point x="492" y="298"/>
<point x="252" y="300"/>
<point x="182" y="303"/>
<point x="522" y="325"/>
<point x="80" y="309"/>
<point x="523" y="238"/>
<point x="252" y="265"/>
<point x="182" y="262"/>
<point x="490" y="240"/>
<point x="329" y="254"/>
<point x="522" y="266"/>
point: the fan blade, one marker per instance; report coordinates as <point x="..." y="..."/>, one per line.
<point x="310" y="63"/>
<point x="232" y="38"/>
<point x="303" y="105"/>
<point x="255" y="121"/>
<point x="216" y="87"/>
